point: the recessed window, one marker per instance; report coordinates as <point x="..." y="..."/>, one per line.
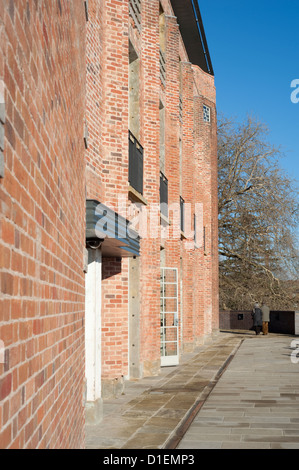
<point x="163" y="195"/>
<point x="135" y="163"/>
<point x="206" y="113"/>
<point x="182" y="215"/>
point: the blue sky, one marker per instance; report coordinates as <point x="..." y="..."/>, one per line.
<point x="254" y="47"/>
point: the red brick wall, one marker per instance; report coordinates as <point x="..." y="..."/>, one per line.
<point x="95" y="171"/>
<point x="114" y="324"/>
<point x="43" y="234"/>
<point x="150" y="246"/>
<point x="239" y="319"/>
<point x="42" y="224"/>
<point x="189" y="183"/>
<point x="199" y="300"/>
<point x="107" y="167"/>
<point x="205" y="147"/>
<point x="107" y="175"/>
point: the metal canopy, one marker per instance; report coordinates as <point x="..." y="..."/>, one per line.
<point x="193" y="34"/>
<point x="118" y="238"/>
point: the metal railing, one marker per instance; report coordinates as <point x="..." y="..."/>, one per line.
<point x="135" y="12"/>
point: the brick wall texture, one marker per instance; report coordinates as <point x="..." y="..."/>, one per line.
<point x="42" y="64"/>
<point x="61" y="72"/>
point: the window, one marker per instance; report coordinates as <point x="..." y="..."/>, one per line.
<point x="134" y="91"/>
<point x="135" y="164"/>
<point x="206" y="113"/>
<point x="180" y="93"/>
<point x="162" y="137"/>
<point x="182" y="215"/>
<point x="162" y="67"/>
<point x="163" y="195"/>
<point x="180" y="108"/>
<point x="162" y="44"/>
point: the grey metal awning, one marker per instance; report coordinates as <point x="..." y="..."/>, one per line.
<point x="193" y="33"/>
<point x="102" y="223"/>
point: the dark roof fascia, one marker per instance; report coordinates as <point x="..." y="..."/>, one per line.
<point x="192" y="30"/>
<point x="117" y="236"/>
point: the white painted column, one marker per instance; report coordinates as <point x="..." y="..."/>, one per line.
<point x="93" y="281"/>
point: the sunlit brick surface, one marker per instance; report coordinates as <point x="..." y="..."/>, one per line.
<point x="42" y="64"/>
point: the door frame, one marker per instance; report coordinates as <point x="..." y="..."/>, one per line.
<point x="173" y="359"/>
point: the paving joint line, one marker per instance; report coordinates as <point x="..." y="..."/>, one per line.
<point x="177" y="435"/>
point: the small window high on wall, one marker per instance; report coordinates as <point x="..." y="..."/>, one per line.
<point x="206" y="113"/>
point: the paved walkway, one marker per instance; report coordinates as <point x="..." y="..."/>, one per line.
<point x="255" y="404"/>
<point x="218" y="397"/>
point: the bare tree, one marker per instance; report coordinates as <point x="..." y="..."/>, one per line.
<point x="258" y="216"/>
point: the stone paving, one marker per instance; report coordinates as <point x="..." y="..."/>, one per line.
<point x="255" y="404"/>
<point x="238" y="391"/>
<point x="152" y="411"/>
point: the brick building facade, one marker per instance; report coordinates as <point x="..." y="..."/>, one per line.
<point x="109" y="266"/>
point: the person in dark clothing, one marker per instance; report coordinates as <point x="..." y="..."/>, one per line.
<point x="257" y="319"/>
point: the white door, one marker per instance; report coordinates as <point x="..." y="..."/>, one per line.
<point x="169" y="317"/>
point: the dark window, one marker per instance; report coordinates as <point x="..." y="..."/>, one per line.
<point x="182" y="213"/>
<point x="163" y="195"/>
<point x="206" y="113"/>
<point x="135" y="164"/>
